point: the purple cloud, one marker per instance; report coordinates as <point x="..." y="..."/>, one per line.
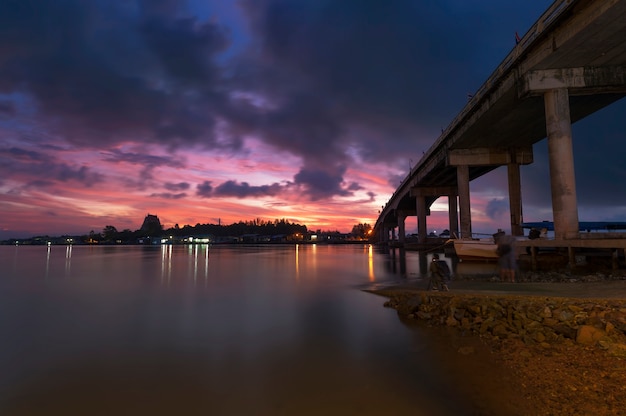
<point x="168" y="195"/>
<point x="245" y="190"/>
<point x="181" y="186"/>
<point x="204" y="190"/>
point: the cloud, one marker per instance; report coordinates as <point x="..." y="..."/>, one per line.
<point x="81" y="174"/>
<point x="204" y="190"/>
<point x="244" y="190"/>
<point x="321" y="183"/>
<point x="143" y="159"/>
<point x="325" y="81"/>
<point x="238" y="190"/>
<point x="353" y="79"/>
<point x="496" y="208"/>
<point x="147" y="162"/>
<point x="23" y="155"/>
<point x="115" y="71"/>
<point x="181" y="186"/>
<point x="168" y="195"/>
<point x="30" y="166"/>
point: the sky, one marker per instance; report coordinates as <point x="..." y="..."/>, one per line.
<point x="207" y="111"/>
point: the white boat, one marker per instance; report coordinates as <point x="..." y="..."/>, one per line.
<point x="475" y="249"/>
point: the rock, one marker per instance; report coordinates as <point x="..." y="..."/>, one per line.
<point x="450" y="321"/>
<point x="565" y="330"/>
<point x="589" y="335"/>
<point x="550" y="322"/>
<point x="465" y="323"/>
<point x="539" y="337"/>
<point x="424" y="315"/>
<point x="459" y="314"/>
<point x="609" y="328"/>
<point x="575" y="309"/>
<point x="532" y="320"/>
<point x="565" y="316"/>
<point x="617" y="350"/>
<point x="546" y="313"/>
<point x="500" y="331"/>
<point x="408" y="306"/>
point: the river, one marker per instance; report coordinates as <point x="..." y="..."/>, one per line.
<point x="219" y="330"/>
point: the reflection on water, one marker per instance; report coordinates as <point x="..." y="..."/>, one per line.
<point x="370" y="263"/>
<point x="276" y="330"/>
<point x="68" y="259"/>
<point x="414" y="264"/>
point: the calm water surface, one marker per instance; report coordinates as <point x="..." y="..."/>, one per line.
<point x="267" y="330"/>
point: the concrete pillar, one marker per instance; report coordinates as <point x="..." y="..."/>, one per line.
<point x="561" y="157"/>
<point x="401" y="228"/>
<point x="462" y="177"/>
<point x="515" y="198"/>
<point x="453" y="215"/>
<point x="393" y="233"/>
<point x="420" y="206"/>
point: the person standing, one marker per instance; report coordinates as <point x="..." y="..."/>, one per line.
<point x="437" y="275"/>
<point x="507" y="260"/>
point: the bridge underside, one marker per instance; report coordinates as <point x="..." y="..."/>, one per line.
<point x="571" y="64"/>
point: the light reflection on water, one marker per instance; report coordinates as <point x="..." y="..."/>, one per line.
<point x="211" y="330"/>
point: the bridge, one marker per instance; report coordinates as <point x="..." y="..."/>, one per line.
<point x="571" y="63"/>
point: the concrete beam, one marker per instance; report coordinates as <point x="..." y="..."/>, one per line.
<point x="424" y="191"/>
<point x="490" y="156"/>
<point x="579" y="81"/>
<point x="406" y="212"/>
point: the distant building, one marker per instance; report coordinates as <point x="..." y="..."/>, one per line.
<point x="151" y="226"/>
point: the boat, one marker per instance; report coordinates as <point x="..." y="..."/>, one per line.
<point x="473" y="249"/>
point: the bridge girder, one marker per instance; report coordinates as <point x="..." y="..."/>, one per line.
<point x="578" y="81"/>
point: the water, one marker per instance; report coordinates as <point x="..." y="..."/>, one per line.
<point x="266" y="330"/>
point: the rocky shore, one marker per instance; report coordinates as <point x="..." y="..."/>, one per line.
<point x="566" y="355"/>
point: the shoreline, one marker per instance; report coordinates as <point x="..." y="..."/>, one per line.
<point x="564" y="349"/>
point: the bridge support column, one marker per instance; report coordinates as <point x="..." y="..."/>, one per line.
<point x="561" y="157"/>
<point x="425" y="196"/>
<point x="384" y="234"/>
<point x="420" y="206"/>
<point x="401" y="228"/>
<point x="393" y="233"/>
<point x="515" y="198"/>
<point x="453" y="215"/>
<point x="463" y="183"/>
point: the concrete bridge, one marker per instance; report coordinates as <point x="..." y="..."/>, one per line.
<point x="571" y="63"/>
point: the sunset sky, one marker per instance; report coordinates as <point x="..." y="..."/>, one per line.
<point x="202" y="111"/>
